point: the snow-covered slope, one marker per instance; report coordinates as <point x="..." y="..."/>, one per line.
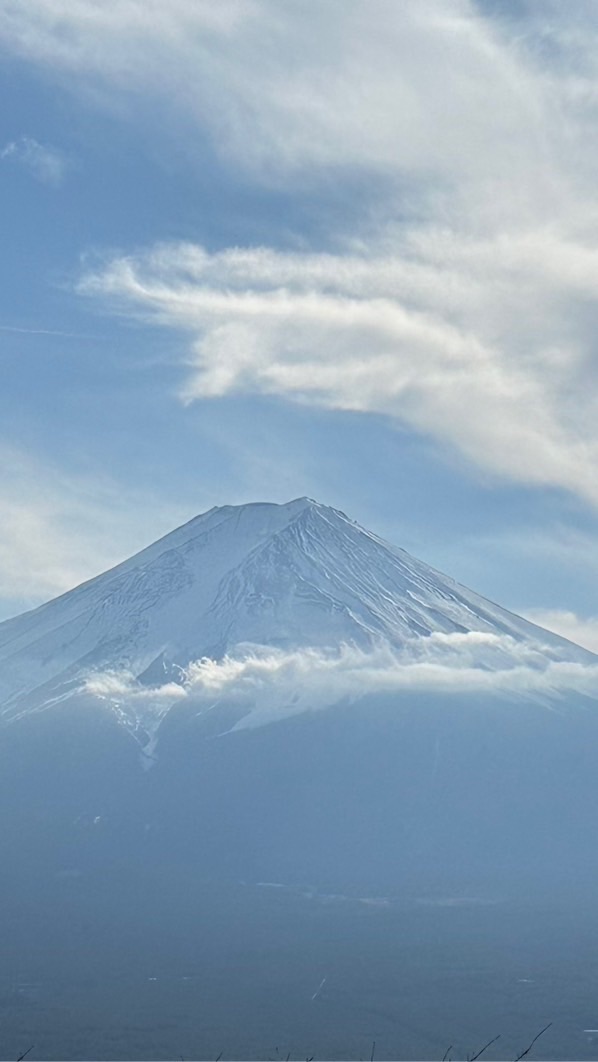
<point x="284" y="576"/>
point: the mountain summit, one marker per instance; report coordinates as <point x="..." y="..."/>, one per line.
<point x="300" y="575"/>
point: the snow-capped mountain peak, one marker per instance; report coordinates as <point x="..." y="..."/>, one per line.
<point x="299" y="575"/>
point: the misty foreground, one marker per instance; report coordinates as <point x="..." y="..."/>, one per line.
<point x="275" y="786"/>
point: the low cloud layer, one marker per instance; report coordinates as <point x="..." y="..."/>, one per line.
<point x="267" y="685"/>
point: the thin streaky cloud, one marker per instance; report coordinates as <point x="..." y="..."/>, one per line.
<point x="45" y="332"/>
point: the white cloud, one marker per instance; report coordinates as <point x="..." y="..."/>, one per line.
<point x="579" y="629"/>
<point x="471" y="359"/>
<point x="378" y="86"/>
<point x="266" y="685"/>
<point x="58" y="529"/>
<point x="464" y="303"/>
<point x="47" y="164"/>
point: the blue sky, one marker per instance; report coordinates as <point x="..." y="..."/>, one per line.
<point x="254" y="250"/>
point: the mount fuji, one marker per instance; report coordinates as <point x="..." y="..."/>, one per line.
<point x="275" y="692"/>
<point x="273" y="696"/>
<point x="244" y="581"/>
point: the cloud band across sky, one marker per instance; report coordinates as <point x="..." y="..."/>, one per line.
<point x="456" y="338"/>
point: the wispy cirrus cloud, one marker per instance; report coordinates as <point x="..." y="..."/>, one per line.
<point x="417" y="336"/>
<point x="462" y="300"/>
<point x="377" y="87"/>
<point x="44" y="162"/>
